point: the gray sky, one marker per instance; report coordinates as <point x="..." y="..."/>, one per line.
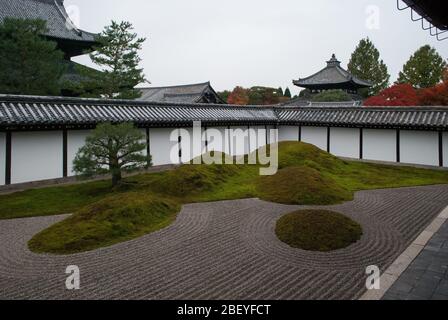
<point x="255" y="42"/>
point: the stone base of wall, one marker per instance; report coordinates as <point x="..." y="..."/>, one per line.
<point x="73" y="180"/>
<point x="398" y="164"/>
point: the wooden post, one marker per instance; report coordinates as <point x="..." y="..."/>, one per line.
<point x="361" y="143"/>
<point x="8" y="158"/>
<point x="64" y="153"/>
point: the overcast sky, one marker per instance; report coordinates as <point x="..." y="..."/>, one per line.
<point x="255" y="42"/>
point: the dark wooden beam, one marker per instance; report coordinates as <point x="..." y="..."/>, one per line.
<point x="361" y="143"/>
<point x="300" y="133"/>
<point x="8" y="158"/>
<point x="328" y="139"/>
<point x="440" y="148"/>
<point x="266" y="129"/>
<point x="148" y="145"/>
<point x="398" y="146"/>
<point x="65" y="153"/>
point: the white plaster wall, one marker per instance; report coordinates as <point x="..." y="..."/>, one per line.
<point x="344" y="142"/>
<point x="380" y="145"/>
<point x="288" y="133"/>
<point x="75" y="140"/>
<point x="419" y="147"/>
<point x="2" y="157"/>
<point x="257" y="137"/>
<point x="445" y="149"/>
<point x="162" y="149"/>
<point x="316" y="136"/>
<point x="217" y="140"/>
<point x="273" y="134"/>
<point x="192" y="145"/>
<point x="36" y="156"/>
<point x="239" y="141"/>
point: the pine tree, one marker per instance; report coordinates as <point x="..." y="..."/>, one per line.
<point x="365" y="64"/>
<point x="29" y="64"/>
<point x="424" y="69"/>
<point x="112" y="149"/>
<point x="288" y="93"/>
<point x="117" y="55"/>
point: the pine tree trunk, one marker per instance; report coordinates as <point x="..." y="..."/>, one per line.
<point x="116" y="177"/>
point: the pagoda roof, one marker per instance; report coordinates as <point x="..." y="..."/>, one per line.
<point x="59" y="25"/>
<point x="190" y="93"/>
<point x="333" y="76"/>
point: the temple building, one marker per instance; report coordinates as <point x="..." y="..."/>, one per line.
<point x="70" y="40"/>
<point x="332" y="77"/>
<point x="192" y="93"/>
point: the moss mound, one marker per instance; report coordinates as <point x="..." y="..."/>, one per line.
<point x="106" y="222"/>
<point x="294" y="154"/>
<point x="318" y="230"/>
<point x="301" y="185"/>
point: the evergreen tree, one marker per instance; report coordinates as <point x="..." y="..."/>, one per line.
<point x="365" y="64"/>
<point x="288" y="93"/>
<point x="117" y="55"/>
<point x="112" y="149"/>
<point x="29" y="64"/>
<point x="424" y="69"/>
<point x="280" y="92"/>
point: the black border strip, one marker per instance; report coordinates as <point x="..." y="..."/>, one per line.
<point x="8" y="158"/>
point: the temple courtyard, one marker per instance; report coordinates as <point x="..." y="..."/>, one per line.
<point x="223" y="250"/>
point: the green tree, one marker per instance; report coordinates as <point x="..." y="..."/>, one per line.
<point x="424" y="69"/>
<point x="118" y="56"/>
<point x="332" y="96"/>
<point x="224" y="95"/>
<point x="112" y="149"/>
<point x="365" y="63"/>
<point x="29" y="64"/>
<point x="287" y="93"/>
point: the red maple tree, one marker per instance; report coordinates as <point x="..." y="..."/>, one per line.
<point x="435" y="96"/>
<point x="239" y="96"/>
<point x="397" y="95"/>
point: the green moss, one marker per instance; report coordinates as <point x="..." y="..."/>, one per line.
<point x="53" y="200"/>
<point x="301" y="185"/>
<point x="317" y="230"/>
<point x="111" y="220"/>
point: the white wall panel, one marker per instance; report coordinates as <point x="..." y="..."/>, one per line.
<point x="316" y="136"/>
<point x="163" y="151"/>
<point x="344" y="142"/>
<point x="75" y="140"/>
<point x="445" y="149"/>
<point x="239" y="141"/>
<point x="419" y="147"/>
<point x="36" y="156"/>
<point x="217" y="141"/>
<point x="193" y="144"/>
<point x="288" y="133"/>
<point x="257" y="137"/>
<point x="380" y="145"/>
<point x="2" y="157"/>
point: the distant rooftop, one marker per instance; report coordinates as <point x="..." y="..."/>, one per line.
<point x="333" y="76"/>
<point x="60" y="27"/>
<point x="191" y="93"/>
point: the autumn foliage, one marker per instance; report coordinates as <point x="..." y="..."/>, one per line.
<point x="238" y="96"/>
<point x="397" y="95"/>
<point x="406" y="95"/>
<point x="436" y="96"/>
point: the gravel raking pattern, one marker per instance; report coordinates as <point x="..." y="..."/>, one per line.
<point x="223" y="250"/>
